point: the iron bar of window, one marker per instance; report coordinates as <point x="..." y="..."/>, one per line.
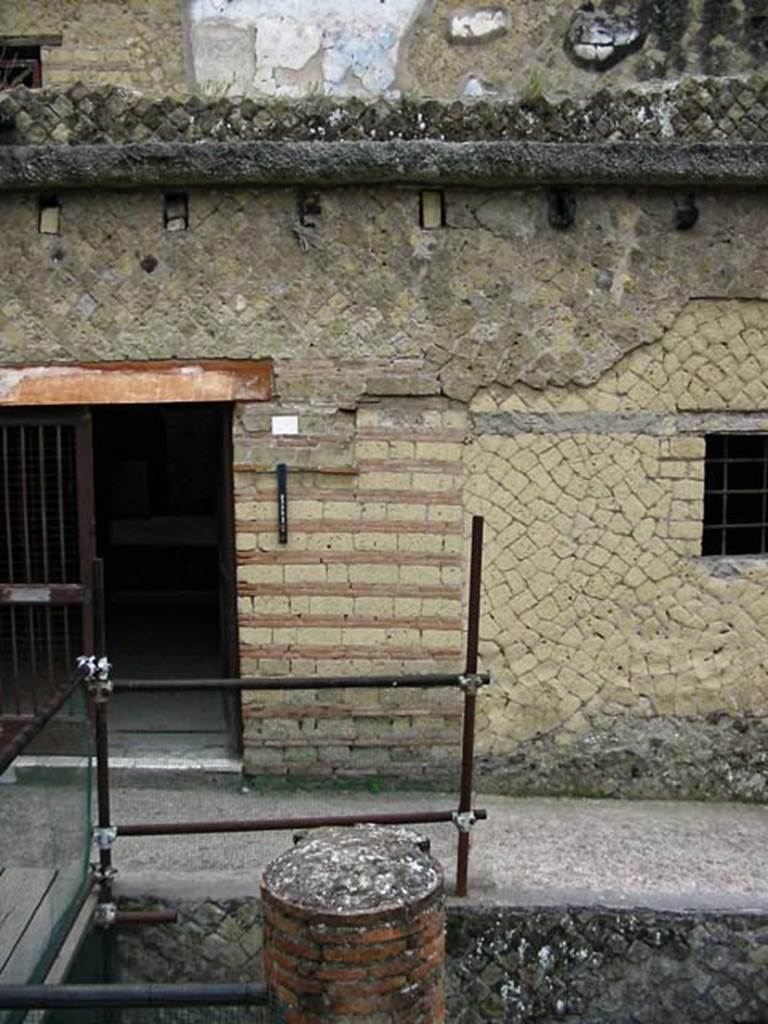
<point x="185" y="828"/>
<point x="49" y="997"/>
<point x="736" y="526"/>
<point x="424" y="682"/>
<point x="745" y="491"/>
<point x="725" y="495"/>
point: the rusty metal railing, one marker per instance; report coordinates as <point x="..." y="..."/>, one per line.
<point x="464" y="817"/>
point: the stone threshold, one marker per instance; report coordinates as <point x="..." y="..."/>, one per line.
<point x="139" y="763"/>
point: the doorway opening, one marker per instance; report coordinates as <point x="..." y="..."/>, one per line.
<point x="162" y="478"/>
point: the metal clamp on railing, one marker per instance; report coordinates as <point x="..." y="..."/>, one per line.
<point x="101" y="874"/>
<point x="98" y="682"/>
<point x="464" y="820"/>
<point x="472" y="683"/>
<point x="105" y="915"/>
<point x="104" y="837"/>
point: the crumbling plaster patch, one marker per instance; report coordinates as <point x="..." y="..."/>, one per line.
<point x="290" y="48"/>
<point x="619" y="42"/>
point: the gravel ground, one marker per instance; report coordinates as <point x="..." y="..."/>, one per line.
<point x="663" y="855"/>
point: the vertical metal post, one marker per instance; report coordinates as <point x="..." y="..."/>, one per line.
<point x="101" y="729"/>
<point x="470" y="700"/>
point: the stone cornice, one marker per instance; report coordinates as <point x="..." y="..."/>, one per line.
<point x="397" y="162"/>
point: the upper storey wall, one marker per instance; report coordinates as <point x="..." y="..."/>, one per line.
<point x="450" y="48"/>
<point x="441" y="48"/>
<point x="137" y="43"/>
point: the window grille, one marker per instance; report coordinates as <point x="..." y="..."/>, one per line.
<point x="20" y="65"/>
<point x="736" y="495"/>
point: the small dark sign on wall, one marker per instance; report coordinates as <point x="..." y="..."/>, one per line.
<point x="282" y="503"/>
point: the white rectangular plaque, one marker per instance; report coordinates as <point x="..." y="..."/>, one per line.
<point x="283" y="425"/>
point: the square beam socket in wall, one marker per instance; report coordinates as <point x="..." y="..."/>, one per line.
<point x="176" y="211"/>
<point x="49" y="216"/>
<point x="432" y="209"/>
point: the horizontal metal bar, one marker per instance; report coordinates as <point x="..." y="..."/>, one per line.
<point x="723" y="527"/>
<point x="418" y="682"/>
<point x="284" y="824"/>
<point x="47" y="997"/>
<point x="42" y="593"/>
<point x="131" y="917"/>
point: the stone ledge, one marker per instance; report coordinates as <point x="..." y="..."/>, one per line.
<point x="426" y="163"/>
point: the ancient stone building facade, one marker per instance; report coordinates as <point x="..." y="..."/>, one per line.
<point x="545" y="303"/>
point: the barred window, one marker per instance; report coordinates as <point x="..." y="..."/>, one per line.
<point x="20" y="65"/>
<point x="736" y="495"/>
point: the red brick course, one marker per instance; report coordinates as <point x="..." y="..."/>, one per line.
<point x="384" y="968"/>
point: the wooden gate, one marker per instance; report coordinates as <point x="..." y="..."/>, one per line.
<point x="46" y="554"/>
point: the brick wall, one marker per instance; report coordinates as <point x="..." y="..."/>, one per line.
<point x="137" y="43"/>
<point x="370" y="581"/>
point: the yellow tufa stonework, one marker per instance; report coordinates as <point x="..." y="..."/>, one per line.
<point x="713" y="357"/>
<point x="623" y="662"/>
<point x="599" y="609"/>
<point x="370" y="582"/>
<point x="136" y="43"/>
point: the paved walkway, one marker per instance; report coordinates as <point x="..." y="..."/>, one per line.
<point x="653" y="854"/>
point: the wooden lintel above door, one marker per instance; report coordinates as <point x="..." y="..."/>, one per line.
<point x="208" y="380"/>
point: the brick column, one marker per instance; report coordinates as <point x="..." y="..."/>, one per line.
<point x="354" y="928"/>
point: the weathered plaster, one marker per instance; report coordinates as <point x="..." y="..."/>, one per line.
<point x="560" y="49"/>
<point x="495" y="296"/>
<point x="274" y="47"/>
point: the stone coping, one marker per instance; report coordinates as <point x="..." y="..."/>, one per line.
<point x="418" y="163"/>
<point x="698" y="132"/>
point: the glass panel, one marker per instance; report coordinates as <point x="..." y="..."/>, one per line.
<point x="713" y="476"/>
<point x="746" y="446"/>
<point x="743" y="540"/>
<point x="38" y="648"/>
<point x="711" y="543"/>
<point x="713" y="509"/>
<point x="715" y="446"/>
<point x="744" y="508"/>
<point x="745" y="476"/>
<point x="45" y="845"/>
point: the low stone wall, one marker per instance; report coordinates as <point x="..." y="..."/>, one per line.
<point x="512" y="964"/>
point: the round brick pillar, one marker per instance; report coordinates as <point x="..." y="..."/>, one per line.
<point x="354" y="928"/>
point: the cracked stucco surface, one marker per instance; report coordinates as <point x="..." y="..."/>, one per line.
<point x="599" y="610"/>
<point x="684" y="37"/>
<point x="496" y="296"/>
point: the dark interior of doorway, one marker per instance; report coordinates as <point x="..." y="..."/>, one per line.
<point x="159" y="478"/>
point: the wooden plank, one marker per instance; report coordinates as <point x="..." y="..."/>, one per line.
<point x="71" y="945"/>
<point x="25" y="921"/>
<point x="207" y="380"/>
